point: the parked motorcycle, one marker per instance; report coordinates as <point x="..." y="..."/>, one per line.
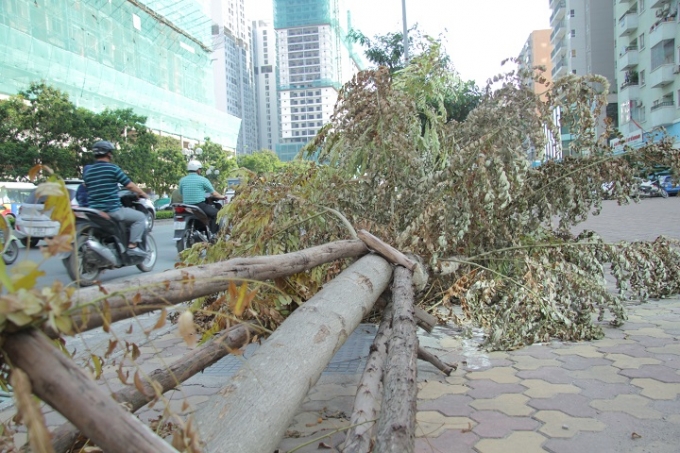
<point x="101" y="243"/>
<point x="652" y="188"/>
<point x="8" y="242"/>
<point x="191" y="224"/>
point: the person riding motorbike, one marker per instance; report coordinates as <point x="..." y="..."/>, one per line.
<point x="193" y="188"/>
<point x="102" y="179"/>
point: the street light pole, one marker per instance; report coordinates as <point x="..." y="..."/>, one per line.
<point x="403" y="12"/>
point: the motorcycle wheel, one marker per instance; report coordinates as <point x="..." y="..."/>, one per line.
<point x="150" y="261"/>
<point x="186" y="241"/>
<point x="663" y="193"/>
<point x="32" y="242"/>
<point x="76" y="266"/>
<point x="11" y="252"/>
<point x="150" y="220"/>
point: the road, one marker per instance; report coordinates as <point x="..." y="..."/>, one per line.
<point x="55" y="270"/>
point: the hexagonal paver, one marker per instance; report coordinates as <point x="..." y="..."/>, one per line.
<point x="558" y="424"/>
<point x="583" y="350"/>
<point x="658" y="372"/>
<point x="511" y="404"/>
<point x="527" y="362"/>
<point x="449" y="405"/>
<point x="484" y="388"/>
<point x="570" y="404"/>
<point x="433" y="389"/>
<point x="432" y="423"/>
<point x="462" y="439"/>
<point x="653" y="332"/>
<point x="635" y="405"/>
<point x="556" y="375"/>
<point x="651" y="388"/>
<point x="575" y="362"/>
<point x="538" y="388"/>
<point x="668" y="349"/>
<point x="502" y="375"/>
<point x="496" y="425"/>
<point x="625" y="361"/>
<point x="601" y="373"/>
<point x="517" y="442"/>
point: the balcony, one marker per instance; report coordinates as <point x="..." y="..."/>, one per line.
<point x="559" y="30"/>
<point x="662" y="30"/>
<point x="628" y="23"/>
<point x="560" y="50"/>
<point x="630" y="91"/>
<point x="663" y="113"/>
<point x="661" y="76"/>
<point x="629" y="58"/>
<point x="659" y="3"/>
<point x="558" y="12"/>
<point x="559" y="69"/>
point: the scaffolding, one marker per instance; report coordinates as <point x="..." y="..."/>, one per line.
<point x="149" y="55"/>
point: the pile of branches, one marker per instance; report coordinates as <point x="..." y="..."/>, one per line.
<point x="492" y="231"/>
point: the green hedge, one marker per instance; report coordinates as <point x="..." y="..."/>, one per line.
<point x="160" y="215"/>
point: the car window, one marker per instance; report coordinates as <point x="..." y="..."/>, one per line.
<point x="15" y="195"/>
<point x="31" y="198"/>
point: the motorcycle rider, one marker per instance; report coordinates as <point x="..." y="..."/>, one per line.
<point x="102" y="179"/>
<point x="193" y="188"/>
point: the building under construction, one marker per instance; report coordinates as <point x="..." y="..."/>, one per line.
<point x="153" y="56"/>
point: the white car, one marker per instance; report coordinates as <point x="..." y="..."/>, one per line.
<point x="33" y="223"/>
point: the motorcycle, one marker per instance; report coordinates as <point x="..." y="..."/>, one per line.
<point x="652" y="188"/>
<point x="8" y="242"/>
<point x="101" y="243"/>
<point x="191" y="224"/>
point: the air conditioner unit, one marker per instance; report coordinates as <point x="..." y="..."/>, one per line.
<point x="637" y="104"/>
<point x="676" y="70"/>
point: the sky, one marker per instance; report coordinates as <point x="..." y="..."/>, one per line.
<point x="478" y="34"/>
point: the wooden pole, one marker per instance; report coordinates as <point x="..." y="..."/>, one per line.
<point x="397" y="421"/>
<point x="180" y="285"/>
<point x="64" y="436"/>
<point x="387" y="251"/>
<point x="434" y="360"/>
<point x="252" y="412"/>
<point x="62" y="384"/>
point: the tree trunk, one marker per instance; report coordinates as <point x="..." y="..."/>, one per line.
<point x="434" y="360"/>
<point x="397" y="421"/>
<point x="194" y="362"/>
<point x="180" y="285"/>
<point x="64" y="386"/>
<point x="385" y="250"/>
<point x="253" y="411"/>
<point x="367" y="400"/>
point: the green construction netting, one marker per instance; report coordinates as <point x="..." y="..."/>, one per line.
<point x="148" y="55"/>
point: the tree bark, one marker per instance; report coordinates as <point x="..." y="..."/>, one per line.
<point x="64" y="436"/>
<point x="397" y="421"/>
<point x="424" y="320"/>
<point x="434" y="360"/>
<point x="64" y="386"/>
<point x="252" y="412"/>
<point x="180" y="285"/>
<point x="387" y="251"/>
<point x="367" y="400"/>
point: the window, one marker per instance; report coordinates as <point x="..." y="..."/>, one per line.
<point x="641" y="5"/>
<point x="573" y="71"/>
<point x="573" y="53"/>
<point x="573" y="33"/>
<point x="572" y="13"/>
<point x="642" y="77"/>
<point x="641" y="41"/>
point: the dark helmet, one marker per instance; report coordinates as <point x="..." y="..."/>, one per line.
<point x="102" y="148"/>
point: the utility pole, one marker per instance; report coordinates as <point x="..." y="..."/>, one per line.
<point x="403" y="11"/>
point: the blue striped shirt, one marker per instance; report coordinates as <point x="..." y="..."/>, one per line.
<point x="101" y="180"/>
<point x="193" y="188"/>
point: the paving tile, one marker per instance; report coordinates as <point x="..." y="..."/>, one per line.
<point x="558" y="424"/>
<point x="450" y="441"/>
<point x="673" y="348"/>
<point x="432" y="424"/>
<point x="538" y="388"/>
<point x="329" y="391"/>
<point x="658" y="372"/>
<point x="537" y="351"/>
<point x="635" y="405"/>
<point x="593" y="389"/>
<point x="575" y="362"/>
<point x="492" y="424"/>
<point x="527" y="362"/>
<point x="517" y="442"/>
<point x="432" y="389"/>
<point x="623" y="361"/>
<point x="555" y="375"/>
<point x="652" y="388"/>
<point x="449" y="405"/>
<point x="510" y="404"/>
<point x="606" y="374"/>
<point x="632" y="349"/>
<point x="583" y="350"/>
<point x="484" y="388"/>
<point x="502" y="375"/>
<point x="654" y="332"/>
<point x="574" y="405"/>
<point x="309" y="423"/>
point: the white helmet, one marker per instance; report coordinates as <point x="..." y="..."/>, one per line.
<point x="194" y="165"/>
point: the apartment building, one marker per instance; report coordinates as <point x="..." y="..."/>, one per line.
<point x="266" y="71"/>
<point x="314" y="61"/>
<point x="583" y="43"/>
<point x="233" y="69"/>
<point x="648" y="75"/>
<point x="152" y="56"/>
